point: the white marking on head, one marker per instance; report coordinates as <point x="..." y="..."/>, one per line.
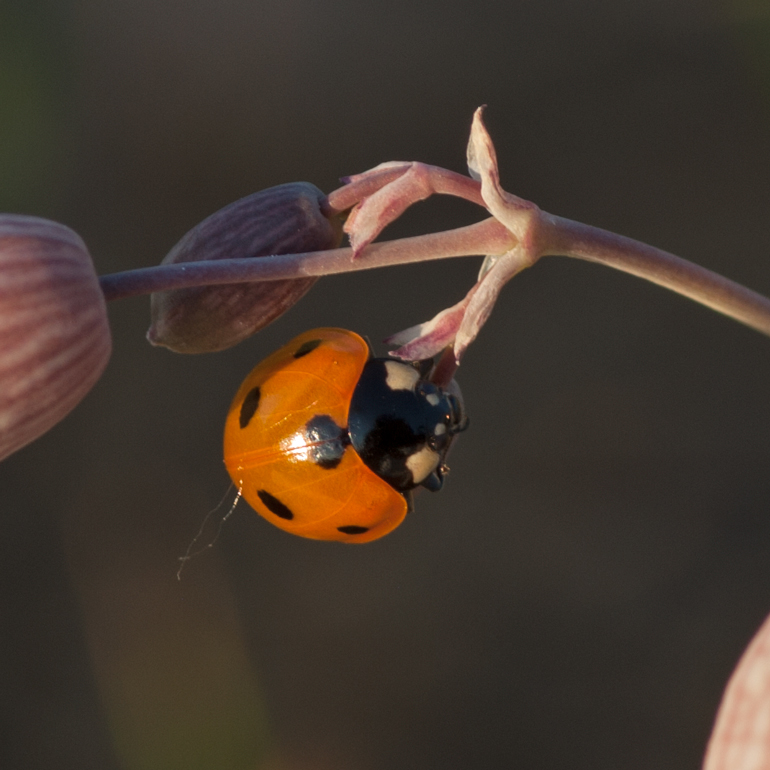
<point x="422" y="464"/>
<point x="433" y="398"/>
<point x="400" y="376"/>
<point x="440" y="429"/>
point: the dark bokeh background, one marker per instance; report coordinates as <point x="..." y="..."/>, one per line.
<point x="579" y="593"/>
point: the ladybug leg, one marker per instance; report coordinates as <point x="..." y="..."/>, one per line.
<point x="433" y="481"/>
<point x="409" y="497"/>
<point x="423" y="367"/>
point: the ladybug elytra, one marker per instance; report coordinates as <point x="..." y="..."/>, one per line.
<point x="326" y="442"/>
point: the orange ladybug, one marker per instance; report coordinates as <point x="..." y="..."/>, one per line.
<point x="326" y="442"/>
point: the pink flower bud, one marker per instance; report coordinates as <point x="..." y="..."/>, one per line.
<point x="54" y="335"/>
<point x="288" y="219"/>
<point x="741" y="736"/>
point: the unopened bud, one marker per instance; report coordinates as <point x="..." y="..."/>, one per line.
<point x="54" y="334"/>
<point x="288" y="219"/>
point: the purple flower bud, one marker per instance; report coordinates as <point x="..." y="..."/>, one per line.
<point x="54" y="335"/>
<point x="288" y="219"/>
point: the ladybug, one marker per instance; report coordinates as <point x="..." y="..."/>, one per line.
<point x="327" y="442"/>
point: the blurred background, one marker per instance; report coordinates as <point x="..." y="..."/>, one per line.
<point x="578" y="594"/>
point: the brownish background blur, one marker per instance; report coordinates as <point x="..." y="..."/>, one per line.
<point x="578" y="594"/>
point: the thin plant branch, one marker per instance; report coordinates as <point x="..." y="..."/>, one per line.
<point x="563" y="237"/>
<point x="473" y="240"/>
<point x="516" y="236"/>
<point x="573" y="239"/>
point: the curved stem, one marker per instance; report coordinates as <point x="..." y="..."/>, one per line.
<point x="572" y="239"/>
<point x="484" y="237"/>
<point x="556" y="236"/>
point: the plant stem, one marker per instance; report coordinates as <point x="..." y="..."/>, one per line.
<point x="573" y="239"/>
<point x="484" y="237"/>
<point x="557" y="237"/>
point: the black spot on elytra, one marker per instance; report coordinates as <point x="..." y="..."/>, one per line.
<point x="352" y="529"/>
<point x="274" y="505"/>
<point x="306" y="347"/>
<point x="327" y="441"/>
<point x="249" y="406"/>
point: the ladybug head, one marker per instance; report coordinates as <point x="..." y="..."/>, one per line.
<point x="402" y="425"/>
